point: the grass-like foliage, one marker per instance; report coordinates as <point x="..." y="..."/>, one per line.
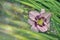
<point x="14" y="19"/>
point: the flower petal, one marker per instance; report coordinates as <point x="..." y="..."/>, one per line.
<point x="42" y="11"/>
<point x="33" y="28"/>
<point x="33" y="14"/>
<point x="48" y="15"/>
<point x="30" y="22"/>
<point x="48" y="25"/>
<point x="42" y="29"/>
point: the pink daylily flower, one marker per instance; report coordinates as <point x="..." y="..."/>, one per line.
<point x="39" y="21"/>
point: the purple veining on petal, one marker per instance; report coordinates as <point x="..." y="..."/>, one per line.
<point x="43" y="24"/>
<point x="37" y="17"/>
<point x="42" y="17"/>
<point x="35" y="24"/>
<point x="45" y="20"/>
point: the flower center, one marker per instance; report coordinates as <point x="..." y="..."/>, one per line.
<point x="40" y="21"/>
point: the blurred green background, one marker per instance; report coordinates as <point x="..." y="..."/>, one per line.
<point x="14" y="17"/>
